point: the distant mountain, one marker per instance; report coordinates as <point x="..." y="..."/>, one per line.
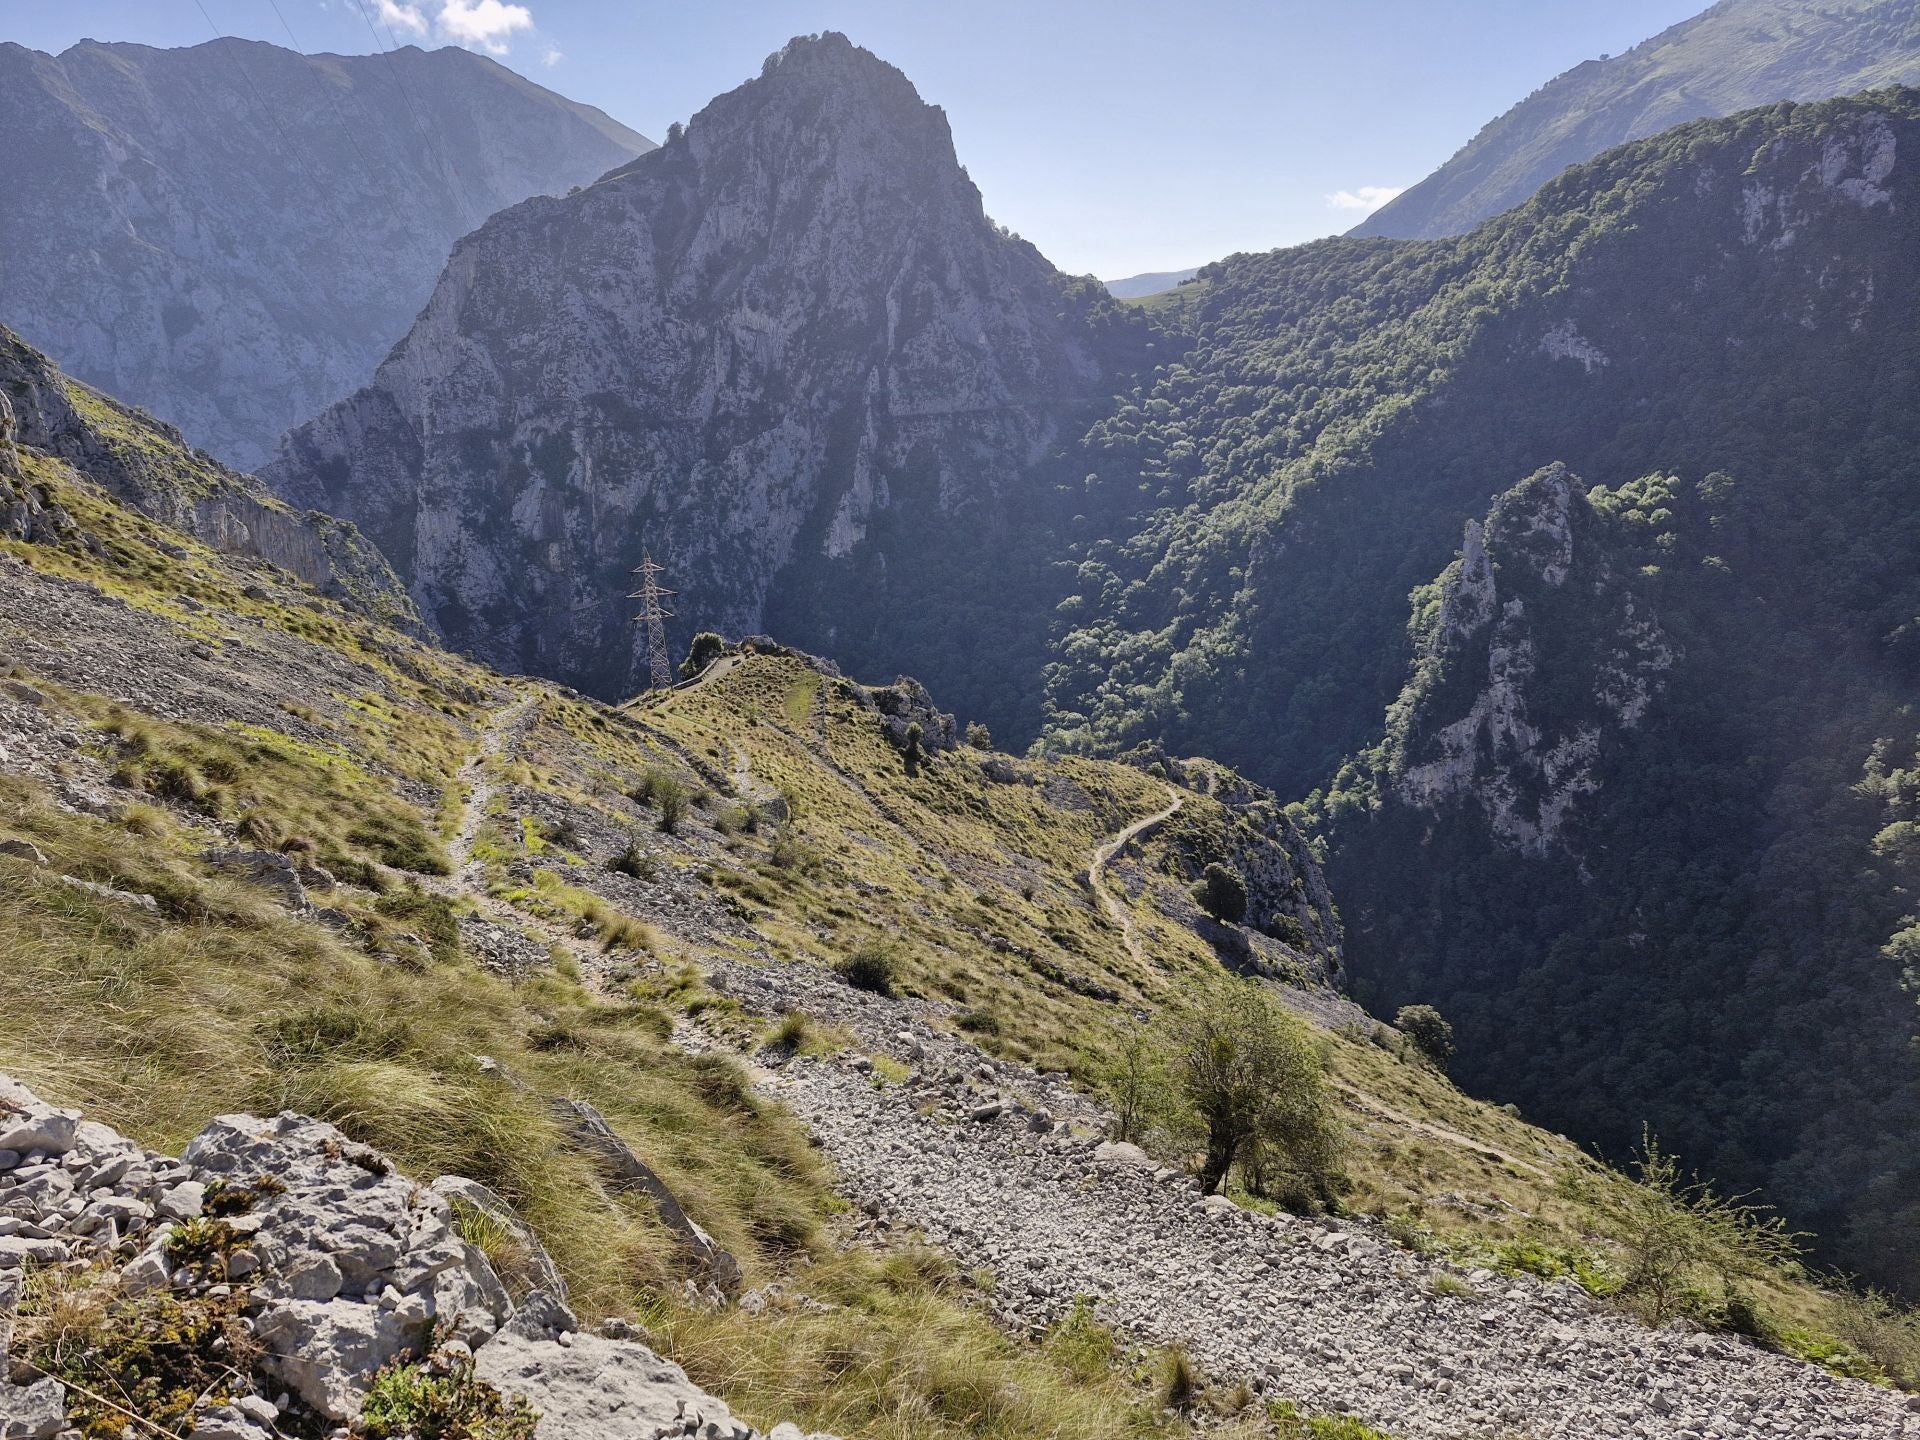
<point x="233" y="235"/>
<point x="788" y="353"/>
<point x="1739" y="54"/>
<point x="1153" y="282"/>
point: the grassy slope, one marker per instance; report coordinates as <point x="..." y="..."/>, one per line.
<point x="223" y="1001"/>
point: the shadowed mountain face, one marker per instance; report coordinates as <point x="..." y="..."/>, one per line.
<point x="1738" y="54"/>
<point x="233" y="235"/>
<point x="1630" y="796"/>
<point x="788" y="353"/>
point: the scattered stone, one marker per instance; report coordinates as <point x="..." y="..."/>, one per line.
<point x="23" y="850"/>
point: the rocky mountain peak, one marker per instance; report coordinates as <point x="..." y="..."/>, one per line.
<point x="787" y="353"/>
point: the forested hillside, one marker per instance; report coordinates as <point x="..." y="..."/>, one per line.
<point x="1729" y="308"/>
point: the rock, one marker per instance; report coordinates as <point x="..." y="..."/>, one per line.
<point x="1218" y="1205"/>
<point x="228" y="1422"/>
<point x="541" y="1317"/>
<point x="23" y="850"/>
<point x="992" y="1110"/>
<point x="1122" y="1155"/>
<point x="541" y="1274"/>
<point x="599" y="1389"/>
<point x="589" y="1129"/>
<point x="266" y="868"/>
<point x="24" y="693"/>
<point x="328" y="1352"/>
<point x="107" y="892"/>
<point x="27" y="1123"/>
<point x="32" y="1412"/>
<point x="357" y="1264"/>
<point x="183" y="1201"/>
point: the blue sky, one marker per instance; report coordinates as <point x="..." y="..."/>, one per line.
<point x="1117" y="136"/>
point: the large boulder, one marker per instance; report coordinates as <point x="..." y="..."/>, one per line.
<point x="358" y="1265"/>
<point x="597" y="1389"/>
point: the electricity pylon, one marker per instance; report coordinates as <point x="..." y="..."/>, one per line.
<point x="654" y="615"/>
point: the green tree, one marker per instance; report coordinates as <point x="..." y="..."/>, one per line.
<point x="1134" y="1082"/>
<point x="707" y="647"/>
<point x="979" y="737"/>
<point x="1429" y="1031"/>
<point x="1222" y="893"/>
<point x="1255" y="1090"/>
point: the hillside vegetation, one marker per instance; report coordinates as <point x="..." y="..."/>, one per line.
<point x="1715" y="330"/>
<point x="437" y="864"/>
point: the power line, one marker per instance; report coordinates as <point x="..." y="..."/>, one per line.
<point x="326" y="89"/>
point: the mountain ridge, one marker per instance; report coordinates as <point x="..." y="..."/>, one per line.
<point x="792" y="329"/>
<point x="214" y="276"/>
<point x="1733" y="56"/>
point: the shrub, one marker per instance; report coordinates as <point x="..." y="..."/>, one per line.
<point x="1676" y="1234"/>
<point x="441" y="1399"/>
<point x="1428" y="1030"/>
<point x="707" y="647"/>
<point x="1222" y="893"/>
<point x="635" y="862"/>
<point x="978" y="1022"/>
<point x="874" y="967"/>
<point x="979" y="737"/>
<point x="1253" y="1088"/>
<point x="671" y="798"/>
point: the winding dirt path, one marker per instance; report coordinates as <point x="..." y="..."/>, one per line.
<point x="1119" y="913"/>
<point x="499" y="737"/>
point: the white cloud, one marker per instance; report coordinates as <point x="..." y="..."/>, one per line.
<point x="486" y="23"/>
<point x="402" y="17"/>
<point x="1367" y="197"/>
<point x="552" y="57"/>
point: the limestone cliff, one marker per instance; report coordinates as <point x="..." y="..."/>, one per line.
<point x="788" y="353"/>
<point x="146" y="464"/>
<point x="1531" y="652"/>
<point x="233" y="235"/>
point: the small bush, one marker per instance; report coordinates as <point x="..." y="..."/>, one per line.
<point x="707" y="647"/>
<point x="874" y="967"/>
<point x="1428" y="1030"/>
<point x="441" y="1399"/>
<point x="633" y="861"/>
<point x="1222" y="893"/>
<point x="978" y="1022"/>
<point x="670" y="797"/>
<point x="979" y="737"/>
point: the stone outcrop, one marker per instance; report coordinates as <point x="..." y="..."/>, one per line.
<point x="233" y="235"/>
<point x="343" y="1264"/>
<point x="147" y="464"/>
<point x="1534" y="607"/>
<point x="780" y="353"/>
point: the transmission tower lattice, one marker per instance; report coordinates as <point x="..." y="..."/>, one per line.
<point x="654" y="615"/>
